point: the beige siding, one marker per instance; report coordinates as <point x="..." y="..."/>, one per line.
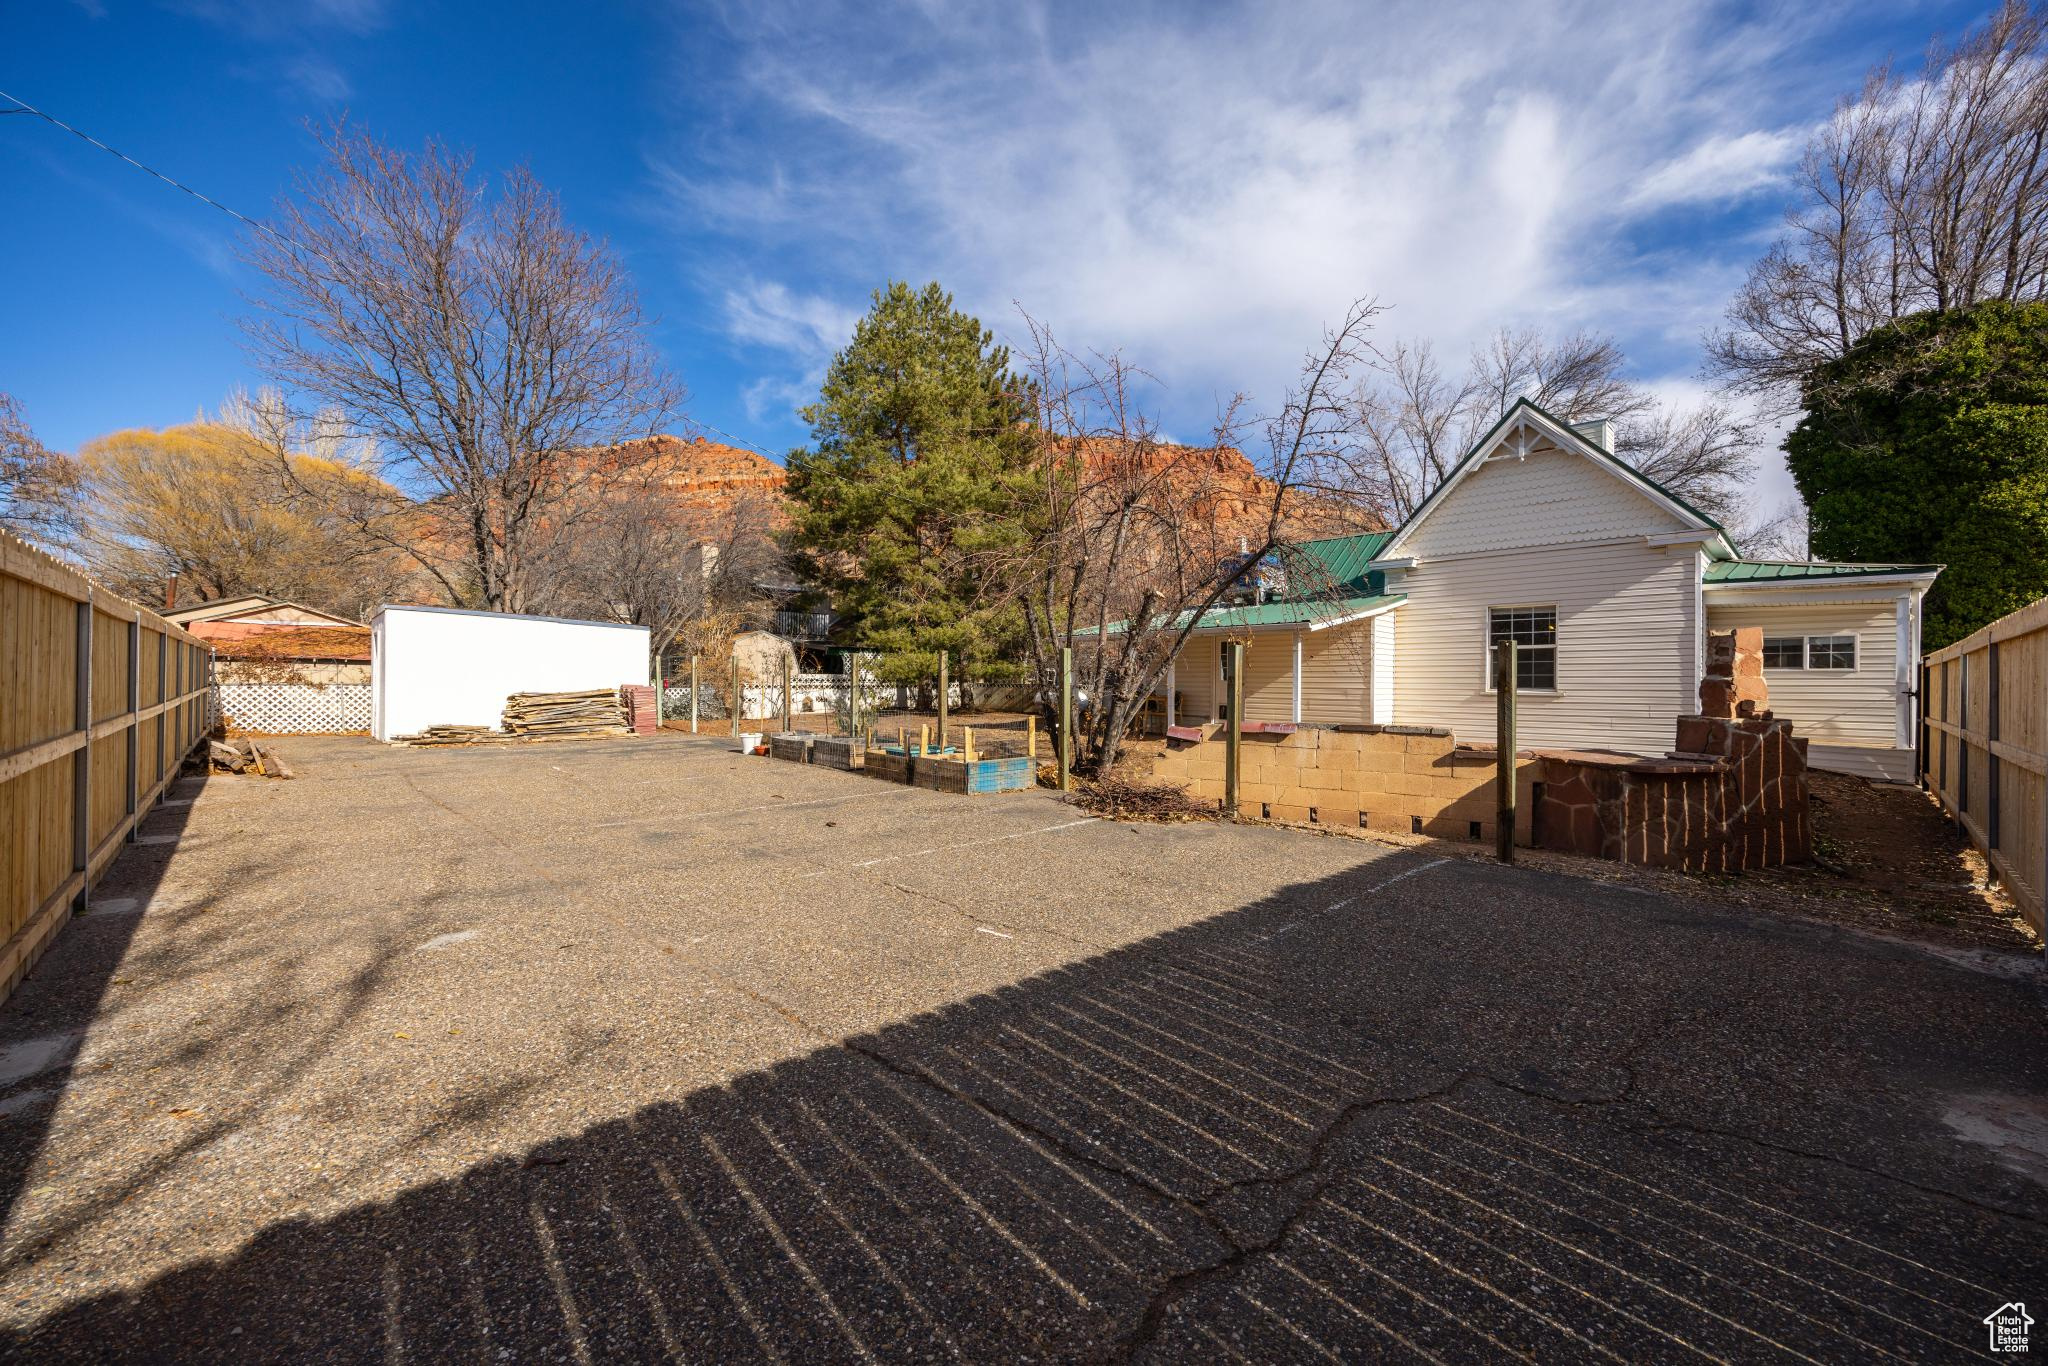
<point x="1857" y="706"/>
<point x="1336" y="665"/>
<point x="1194" y="678"/>
<point x="1549" y="498"/>
<point x="1269" y="677"/>
<point x="1627" y="642"/>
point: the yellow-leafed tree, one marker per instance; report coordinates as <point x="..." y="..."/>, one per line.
<point x="214" y="507"/>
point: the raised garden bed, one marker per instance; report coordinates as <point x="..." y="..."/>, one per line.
<point x="977" y="778"/>
<point x="792" y="745"/>
<point x="837" y="751"/>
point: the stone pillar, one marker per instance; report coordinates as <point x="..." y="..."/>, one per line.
<point x="1733" y="684"/>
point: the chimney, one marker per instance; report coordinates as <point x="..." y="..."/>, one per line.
<point x="1600" y="432"/>
<point x="171" y="593"/>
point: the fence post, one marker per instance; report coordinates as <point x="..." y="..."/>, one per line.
<point x="1066" y="740"/>
<point x="134" y="745"/>
<point x="1233" y="745"/>
<point x="693" y="694"/>
<point x="163" y="696"/>
<point x="1991" y="769"/>
<point x="1504" y="750"/>
<point x="81" y="764"/>
<point x="943" y="689"/>
<point x="739" y="699"/>
<point x="788" y="720"/>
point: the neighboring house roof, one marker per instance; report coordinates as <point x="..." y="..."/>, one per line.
<point x="299" y="643"/>
<point x="216" y="607"/>
<point x="1777" y="571"/>
<point x="254" y="605"/>
<point x="1567" y="438"/>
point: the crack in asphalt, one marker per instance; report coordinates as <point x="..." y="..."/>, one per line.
<point x="1311" y="1176"/>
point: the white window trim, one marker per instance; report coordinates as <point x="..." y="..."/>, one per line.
<point x="1486" y="646"/>
<point x="1855" y="639"/>
<point x="1800" y="667"/>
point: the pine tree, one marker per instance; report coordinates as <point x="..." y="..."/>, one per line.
<point x="919" y="444"/>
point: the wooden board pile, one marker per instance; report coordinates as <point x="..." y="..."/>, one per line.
<point x="596" y="712"/>
<point x="454" y="735"/>
<point x="643" y="708"/>
<point x="246" y="756"/>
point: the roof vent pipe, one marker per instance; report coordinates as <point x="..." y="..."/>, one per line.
<point x="1600" y="432"/>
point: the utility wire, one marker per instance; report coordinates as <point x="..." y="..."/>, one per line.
<point x="22" y="106"/>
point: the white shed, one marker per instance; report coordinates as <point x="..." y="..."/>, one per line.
<point x="447" y="666"/>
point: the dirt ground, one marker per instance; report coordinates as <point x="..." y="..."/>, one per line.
<point x="1888" y="862"/>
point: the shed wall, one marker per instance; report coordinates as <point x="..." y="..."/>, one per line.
<point x="457" y="668"/>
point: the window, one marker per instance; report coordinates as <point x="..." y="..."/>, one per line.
<point x="1534" y="631"/>
<point x="1784" y="652"/>
<point x="1831" y="652"/>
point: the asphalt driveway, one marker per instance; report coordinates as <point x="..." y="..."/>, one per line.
<point x="640" y="1049"/>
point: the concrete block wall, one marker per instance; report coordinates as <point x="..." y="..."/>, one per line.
<point x="1402" y="779"/>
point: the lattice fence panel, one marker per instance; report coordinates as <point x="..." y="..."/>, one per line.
<point x="295" y="708"/>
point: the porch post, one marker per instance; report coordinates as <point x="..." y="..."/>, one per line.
<point x="1297" y="678"/>
<point x="1172" y="678"/>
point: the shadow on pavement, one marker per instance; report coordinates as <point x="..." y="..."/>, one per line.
<point x="1224" y="1142"/>
<point x="57" y="1009"/>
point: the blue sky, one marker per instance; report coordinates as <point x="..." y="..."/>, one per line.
<point x="1202" y="186"/>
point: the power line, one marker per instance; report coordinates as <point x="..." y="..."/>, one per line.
<point x="22" y="106"/>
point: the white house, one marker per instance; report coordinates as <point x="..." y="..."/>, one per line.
<point x="1607" y="582"/>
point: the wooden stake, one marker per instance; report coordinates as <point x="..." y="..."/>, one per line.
<point x="1031" y="736"/>
<point x="944" y="689"/>
<point x="738" y="698"/>
<point x="1233" y="750"/>
<point x="1504" y="751"/>
<point x="966" y="743"/>
<point x="1066" y="735"/>
<point x="924" y="741"/>
<point x="787" y="720"/>
<point x="693" y="694"/>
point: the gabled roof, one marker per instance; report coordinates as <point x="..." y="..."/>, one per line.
<point x="222" y="608"/>
<point x="1779" y="571"/>
<point x="1567" y="438"/>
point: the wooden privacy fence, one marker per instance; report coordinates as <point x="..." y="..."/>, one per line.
<point x="1985" y="705"/>
<point x="100" y="701"/>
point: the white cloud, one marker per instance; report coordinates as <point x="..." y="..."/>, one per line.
<point x="1719" y="168"/>
<point x="1207" y="191"/>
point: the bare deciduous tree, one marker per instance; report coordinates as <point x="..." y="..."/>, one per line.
<point x="1923" y="194"/>
<point x="1416" y="422"/>
<point x="1126" y="553"/>
<point x="482" y="345"/>
<point x="38" y="487"/>
<point x="642" y="560"/>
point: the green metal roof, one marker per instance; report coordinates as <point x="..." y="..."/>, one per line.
<point x="1338" y="563"/>
<point x="1771" y="571"/>
<point x="1289" y="613"/>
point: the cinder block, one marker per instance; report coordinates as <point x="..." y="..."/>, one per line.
<point x="1344" y="817"/>
<point x="1289" y="811"/>
<point x="1325" y="779"/>
<point x="1455" y="786"/>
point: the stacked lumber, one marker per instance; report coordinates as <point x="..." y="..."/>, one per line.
<point x="643" y="708"/>
<point x="246" y="756"/>
<point x="596" y="712"/>
<point x="452" y="735"/>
